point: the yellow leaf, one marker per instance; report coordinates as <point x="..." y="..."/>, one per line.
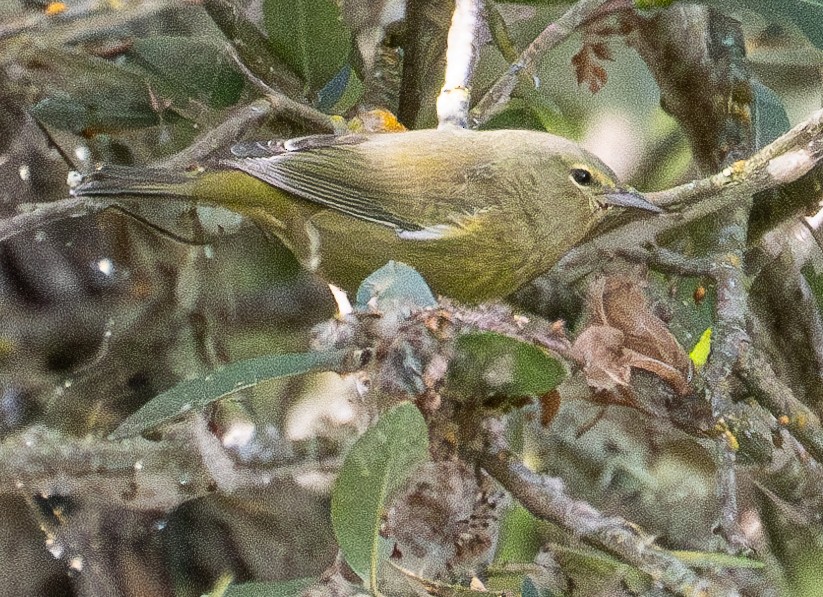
<point x="701" y="350"/>
<point x="55" y="8"/>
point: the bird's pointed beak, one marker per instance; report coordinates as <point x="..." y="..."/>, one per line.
<point x="629" y="198"/>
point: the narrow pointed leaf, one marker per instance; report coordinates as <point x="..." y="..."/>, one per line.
<point x="197" y="393"/>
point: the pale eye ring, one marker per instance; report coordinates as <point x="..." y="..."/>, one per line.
<point x="582" y="176"/>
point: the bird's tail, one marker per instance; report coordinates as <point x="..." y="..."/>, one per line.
<point x="119" y="181"/>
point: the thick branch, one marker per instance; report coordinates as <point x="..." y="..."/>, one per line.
<point x="136" y="474"/>
<point x="546" y="498"/>
<point x="697" y="58"/>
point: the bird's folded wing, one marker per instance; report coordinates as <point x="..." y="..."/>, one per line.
<point x="314" y="179"/>
<point x="399" y="185"/>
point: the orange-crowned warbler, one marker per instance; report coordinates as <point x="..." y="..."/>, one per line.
<point x="477" y="213"/>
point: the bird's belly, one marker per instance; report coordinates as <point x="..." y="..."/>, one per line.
<point x="345" y="251"/>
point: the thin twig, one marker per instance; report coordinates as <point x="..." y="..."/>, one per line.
<point x="43" y="214"/>
<point x="783" y="161"/>
<point x="239" y="121"/>
<point x="668" y="261"/>
<point x="501" y="319"/>
<point x="282" y="104"/>
<point x="754" y="370"/>
<point x="496" y="97"/>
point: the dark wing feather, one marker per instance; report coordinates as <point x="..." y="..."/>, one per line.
<point x="316" y="173"/>
<point x="436" y="183"/>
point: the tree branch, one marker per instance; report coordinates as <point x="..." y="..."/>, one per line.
<point x="754" y="370"/>
<point x="280" y="103"/>
<point x="136" y="474"/>
<point x="462" y="51"/>
<point x="495" y="98"/>
<point x="785" y="160"/>
<point x="546" y="498"/>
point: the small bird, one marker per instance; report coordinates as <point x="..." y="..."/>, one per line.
<point x="477" y="213"/>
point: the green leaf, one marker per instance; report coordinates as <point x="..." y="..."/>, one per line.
<point x="309" y="36"/>
<point x="492" y="365"/>
<point x="652" y="3"/>
<point x="703" y="559"/>
<point x="88" y="115"/>
<point x="287" y="588"/>
<point x="534" y="112"/>
<point x="379" y="461"/>
<point x="547" y="112"/>
<point x="198" y="393"/>
<point x="770" y="119"/>
<point x="333" y="91"/>
<point x="594" y="565"/>
<point x="349" y="97"/>
<point x="252" y="46"/>
<point x="191" y="68"/>
<point x="394" y="284"/>
<point x="806" y="14"/>
<point x="88" y="95"/>
<point x="519" y="538"/>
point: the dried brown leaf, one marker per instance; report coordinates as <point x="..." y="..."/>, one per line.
<point x="587" y="67"/>
<point x="618" y="303"/>
<point x="600" y="349"/>
<point x="602" y="51"/>
<point x="623" y="304"/>
<point x="549" y="406"/>
<point x="663" y="370"/>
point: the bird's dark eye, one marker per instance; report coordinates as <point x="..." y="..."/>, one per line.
<point x="581" y="176"/>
